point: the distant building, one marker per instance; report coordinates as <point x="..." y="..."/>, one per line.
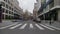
<point x="36" y="8"/>
<point x="11" y="9"/>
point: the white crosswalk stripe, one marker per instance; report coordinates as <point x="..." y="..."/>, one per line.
<point x="22" y="27"/>
<point x="8" y="26"/>
<point x="47" y="27"/>
<point x="39" y="27"/>
<point x="15" y="26"/>
<point x="31" y="25"/>
<point x="52" y="27"/>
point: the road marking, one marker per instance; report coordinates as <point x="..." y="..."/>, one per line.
<point x="47" y="27"/>
<point x="39" y="27"/>
<point x="8" y="26"/>
<point x="31" y="26"/>
<point x="15" y="26"/>
<point x="53" y="27"/>
<point x="22" y="27"/>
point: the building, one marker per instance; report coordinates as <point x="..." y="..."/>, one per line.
<point x="11" y="9"/>
<point x="36" y="8"/>
<point x="50" y="10"/>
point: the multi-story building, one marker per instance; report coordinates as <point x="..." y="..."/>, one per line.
<point x="10" y="9"/>
<point x="50" y="10"/>
<point x="37" y="5"/>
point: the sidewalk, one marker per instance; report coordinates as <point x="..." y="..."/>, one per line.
<point x="55" y="23"/>
<point x="6" y="23"/>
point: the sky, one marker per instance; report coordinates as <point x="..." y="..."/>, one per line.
<point x="27" y="4"/>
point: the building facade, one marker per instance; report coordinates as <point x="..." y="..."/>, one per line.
<point x="11" y="9"/>
<point x="37" y="5"/>
<point x="50" y="10"/>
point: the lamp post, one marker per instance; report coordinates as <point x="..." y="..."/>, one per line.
<point x="0" y="13"/>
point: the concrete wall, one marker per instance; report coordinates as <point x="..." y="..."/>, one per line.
<point x="58" y="15"/>
<point x="56" y="2"/>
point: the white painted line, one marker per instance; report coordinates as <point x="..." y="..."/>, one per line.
<point x="53" y="27"/>
<point x="47" y="27"/>
<point x="22" y="27"/>
<point x="8" y="26"/>
<point x="39" y="27"/>
<point x="31" y="26"/>
<point x="15" y="26"/>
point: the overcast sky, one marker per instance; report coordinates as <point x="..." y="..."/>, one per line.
<point x="27" y="4"/>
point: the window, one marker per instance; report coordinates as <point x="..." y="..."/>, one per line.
<point x="8" y="1"/>
<point x="6" y="6"/>
<point x="4" y="0"/>
<point x="2" y="16"/>
<point x="3" y="4"/>
<point x="6" y="11"/>
<point x="6" y="16"/>
<point x="9" y="12"/>
<point x="10" y="8"/>
<point x="51" y="5"/>
<point x="3" y="10"/>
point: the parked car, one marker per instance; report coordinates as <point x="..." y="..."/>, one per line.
<point x="37" y="20"/>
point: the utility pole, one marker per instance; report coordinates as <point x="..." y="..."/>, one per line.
<point x="0" y="13"/>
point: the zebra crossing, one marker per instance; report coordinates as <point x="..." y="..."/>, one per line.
<point x="31" y="26"/>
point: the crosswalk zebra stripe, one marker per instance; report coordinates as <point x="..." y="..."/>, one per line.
<point x="8" y="26"/>
<point x="52" y="27"/>
<point x="22" y="27"/>
<point x="47" y="27"/>
<point x="39" y="27"/>
<point x="15" y="26"/>
<point x="31" y="26"/>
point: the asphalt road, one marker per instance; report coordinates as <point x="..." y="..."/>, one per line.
<point x="28" y="27"/>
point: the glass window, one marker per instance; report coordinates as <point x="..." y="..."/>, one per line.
<point x="3" y="4"/>
<point x="3" y="16"/>
<point x="6" y="11"/>
<point x="10" y="8"/>
<point x="6" y="6"/>
<point x="7" y="16"/>
<point x="8" y="1"/>
<point x="5" y="0"/>
<point x="3" y="10"/>
<point x="9" y="12"/>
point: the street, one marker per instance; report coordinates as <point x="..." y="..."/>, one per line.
<point x="29" y="27"/>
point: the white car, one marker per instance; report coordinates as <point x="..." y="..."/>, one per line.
<point x="38" y="20"/>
